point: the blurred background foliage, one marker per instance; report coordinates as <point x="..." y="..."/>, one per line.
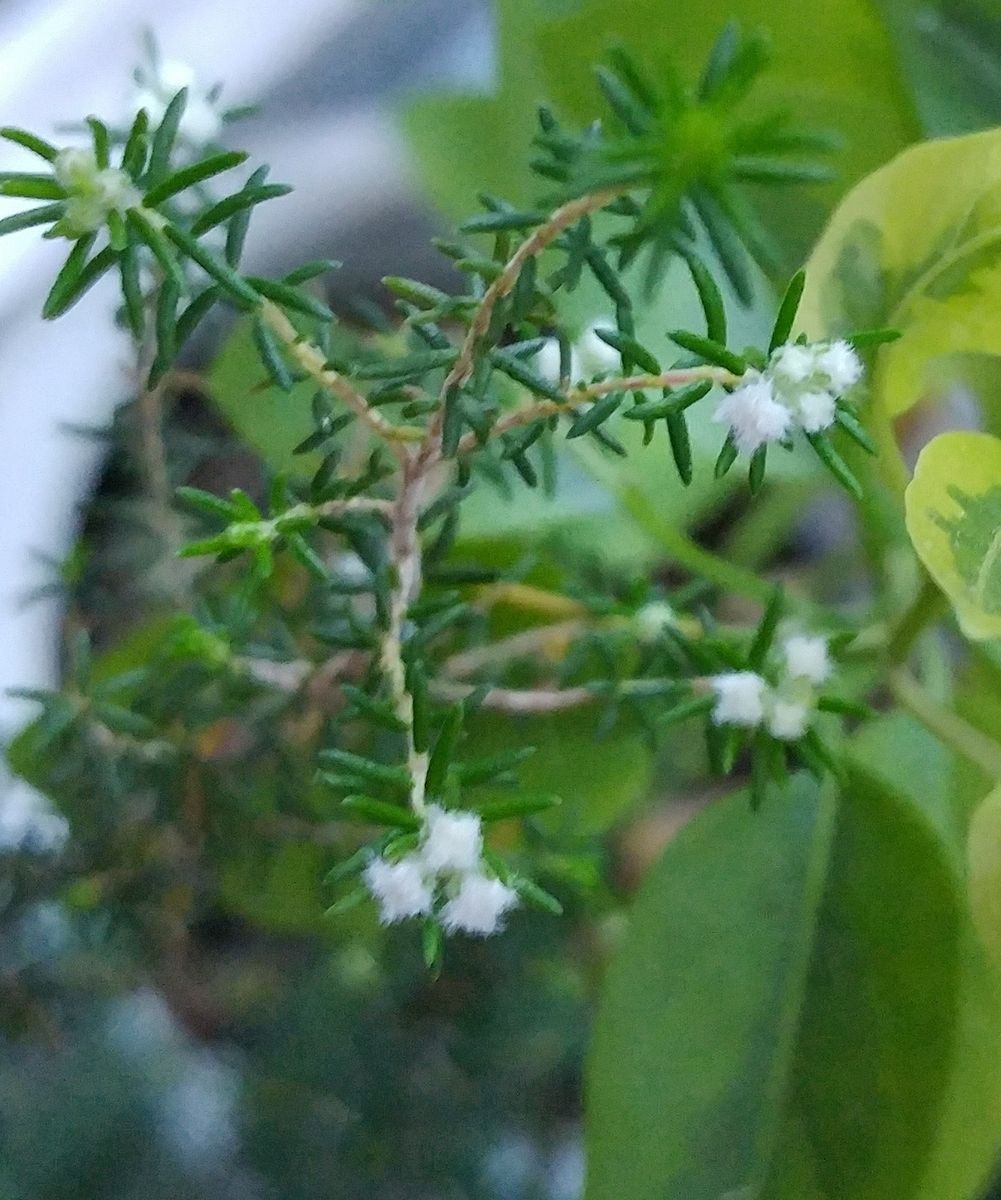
<point x="181" y="1025"/>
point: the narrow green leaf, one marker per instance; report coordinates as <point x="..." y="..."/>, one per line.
<point x="782" y="328"/>
<point x="247" y="197"/>
<point x="496" y="222"/>
<point x="164" y="138"/>
<point x="513" y="367"/>
<point x="45" y="215"/>
<point x="380" y="711"/>
<point x="102" y="141"/>
<point x="681" y="446"/>
<point x="197" y="172"/>
<point x="206" y="502"/>
<point x="30" y="141"/>
<point x="290" y="297"/>
<point x="709" y="350"/>
<point x="626" y="105"/>
<point x="136" y="146"/>
<point x="833" y="461"/>
<point x="192" y="315"/>
<point x="272" y="356"/>
<point x="378" y="812"/>
<point x="225" y="276"/>
<point x="765" y="633"/>
<point x="536" y="897"/>
<point x="756" y="470"/>
<point x="443" y="750"/>
<point x="709" y="297"/>
<point x="517" y="806"/>
<point x="310" y="270"/>
<point x="410" y="367"/>
<point x="30" y="187"/>
<point x="630" y="348"/>
<point x="590" y="418"/>
<point x="150" y="234"/>
<point x="850" y="423"/>
<point x="727" y="457"/>
<point x="395" y="778"/>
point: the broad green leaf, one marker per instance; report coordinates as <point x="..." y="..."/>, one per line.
<point x="950" y="54"/>
<point x="906" y="758"/>
<point x="598" y="781"/>
<point x="697" y="1021"/>
<point x="953" y="508"/>
<point x="916" y="246"/>
<point x="984" y="851"/>
<point x="269" y="420"/>
<point x="753" y="1041"/>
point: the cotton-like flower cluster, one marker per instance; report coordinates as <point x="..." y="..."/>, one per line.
<point x="748" y="700"/>
<point x="799" y="389"/>
<point x="92" y="191"/>
<point x="446" y="867"/>
<point x="200" y="122"/>
<point x="589" y="356"/>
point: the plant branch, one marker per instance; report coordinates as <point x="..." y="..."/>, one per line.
<point x="540" y="238"/>
<point x="405" y="555"/>
<point x="312" y="360"/>
<point x="578" y="396"/>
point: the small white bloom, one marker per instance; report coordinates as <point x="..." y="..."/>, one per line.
<point x="592" y="356"/>
<point x="93" y="192"/>
<point x="75" y="168"/>
<point x="842" y="366"/>
<point x="453" y="841"/>
<point x="478" y="906"/>
<point x="753" y="414"/>
<point x="806" y="657"/>
<point x="816" y="411"/>
<point x="653" y="618"/>
<point x="787" y="719"/>
<point x="546" y="362"/>
<point x="400" y="888"/>
<point x="793" y="363"/>
<point x="740" y="698"/>
<point x="200" y="122"/>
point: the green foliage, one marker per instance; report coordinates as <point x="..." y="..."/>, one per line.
<point x="953" y="518"/>
<point x="931" y="272"/>
<point x="548" y="51"/>
<point x="806" y="1031"/>
<point x="450" y="624"/>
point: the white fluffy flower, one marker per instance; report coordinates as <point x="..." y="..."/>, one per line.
<point x="478" y="906"/>
<point x="740" y="698"/>
<point x="592" y="356"/>
<point x="753" y="414"/>
<point x="841" y="364"/>
<point x="806" y="657"/>
<point x="200" y="122"/>
<point x="93" y="191"/>
<point x="453" y="841"/>
<point x="400" y="888"/>
<point x="793" y="364"/>
<point x="816" y="411"/>
<point x="787" y="719"/>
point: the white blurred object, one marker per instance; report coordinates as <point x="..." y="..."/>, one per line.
<point x="343" y="155"/>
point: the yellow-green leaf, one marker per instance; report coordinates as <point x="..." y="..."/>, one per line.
<point x="984" y="855"/>
<point x="916" y="246"/>
<point x="953" y="508"/>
